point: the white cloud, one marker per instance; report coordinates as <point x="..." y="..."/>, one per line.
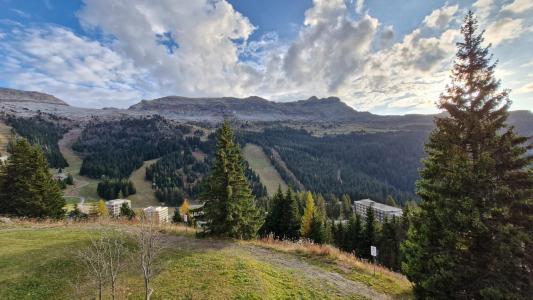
<point x="441" y="17"/>
<point x="359" y="5"/>
<point x="82" y="72"/>
<point x="504" y="29"/>
<point x="330" y="47"/>
<point x="519" y="6"/>
<point x="526" y="89"/>
<point x="203" y="48"/>
<point x="207" y="33"/>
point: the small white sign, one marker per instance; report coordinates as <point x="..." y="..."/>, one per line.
<point x="373" y="251"/>
<point x="185" y="218"/>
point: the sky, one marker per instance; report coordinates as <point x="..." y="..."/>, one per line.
<point x="382" y="56"/>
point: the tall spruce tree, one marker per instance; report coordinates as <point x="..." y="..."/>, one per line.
<point x="229" y="204"/>
<point x="274" y="216"/>
<point x="27" y="188"/>
<point x="290" y="216"/>
<point x="369" y="234"/>
<point x="471" y="236"/>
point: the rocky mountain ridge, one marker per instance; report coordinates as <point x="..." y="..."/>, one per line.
<point x="13" y="95"/>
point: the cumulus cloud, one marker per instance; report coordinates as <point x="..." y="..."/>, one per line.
<point x="504" y="29"/>
<point x="441" y="17"/>
<point x="208" y="35"/>
<point x="359" y="5"/>
<point x="205" y="48"/>
<point x="330" y="47"/>
<point x="519" y="6"/>
<point x="82" y="72"/>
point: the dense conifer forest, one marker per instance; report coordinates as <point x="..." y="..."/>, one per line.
<point x="373" y="165"/>
<point x="114" y="149"/>
<point x="44" y="133"/>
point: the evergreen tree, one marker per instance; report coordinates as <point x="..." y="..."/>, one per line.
<point x="229" y="209"/>
<point x="369" y="234"/>
<point x="290" y="216"/>
<point x="316" y="232"/>
<point x="126" y="211"/>
<point x="390" y="201"/>
<point x="347" y="210"/>
<point x="307" y="218"/>
<point x="389" y="243"/>
<point x="273" y="218"/>
<point x="26" y="187"/>
<point x="471" y="236"/>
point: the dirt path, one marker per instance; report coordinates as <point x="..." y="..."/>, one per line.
<point x="332" y="281"/>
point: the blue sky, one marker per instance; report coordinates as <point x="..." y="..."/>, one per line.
<point x="387" y="57"/>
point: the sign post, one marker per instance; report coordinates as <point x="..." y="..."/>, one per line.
<point x="185" y="220"/>
<point x="374" y="253"/>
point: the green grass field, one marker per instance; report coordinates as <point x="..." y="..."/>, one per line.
<point x="83" y="186"/>
<point x="145" y="196"/>
<point x="262" y="166"/>
<point x="40" y="262"/>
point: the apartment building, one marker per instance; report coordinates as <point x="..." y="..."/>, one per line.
<point x="381" y="211"/>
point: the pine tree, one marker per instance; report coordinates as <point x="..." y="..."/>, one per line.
<point x="307" y="218"/>
<point x="273" y="218"/>
<point x="229" y="209"/>
<point x="26" y="187"/>
<point x="126" y="211"/>
<point x="390" y="201"/>
<point x="471" y="236"/>
<point x="369" y="234"/>
<point x="290" y="216"/>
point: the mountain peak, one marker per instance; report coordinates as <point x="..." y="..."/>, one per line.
<point x="13" y="95"/>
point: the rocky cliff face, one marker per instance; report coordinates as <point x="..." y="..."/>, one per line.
<point x="12" y="95"/>
<point x="252" y="108"/>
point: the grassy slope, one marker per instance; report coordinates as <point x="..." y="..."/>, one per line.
<point x="5" y="133"/>
<point x="262" y="166"/>
<point x="40" y="263"/>
<point x="145" y="196"/>
<point x="83" y="186"/>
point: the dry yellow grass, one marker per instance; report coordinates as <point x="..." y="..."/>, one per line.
<point x="329" y="257"/>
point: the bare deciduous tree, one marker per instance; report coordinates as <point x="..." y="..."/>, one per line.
<point x="115" y="249"/>
<point x="104" y="259"/>
<point x="94" y="260"/>
<point x="149" y="248"/>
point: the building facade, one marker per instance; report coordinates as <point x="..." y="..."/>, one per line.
<point x="113" y="206"/>
<point x="381" y="211"/>
<point x="157" y="214"/>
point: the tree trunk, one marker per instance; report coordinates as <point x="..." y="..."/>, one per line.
<point x="100" y="290"/>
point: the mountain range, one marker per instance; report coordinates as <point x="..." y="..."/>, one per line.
<point x="329" y="110"/>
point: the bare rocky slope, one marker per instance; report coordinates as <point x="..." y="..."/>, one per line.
<point x="12" y="95"/>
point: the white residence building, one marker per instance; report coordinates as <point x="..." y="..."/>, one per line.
<point x="157" y="214"/>
<point x="113" y="206"/>
<point x="381" y="211"/>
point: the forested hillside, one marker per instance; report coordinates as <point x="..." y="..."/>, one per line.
<point x="373" y="165"/>
<point x="114" y="149"/>
<point x="40" y="131"/>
